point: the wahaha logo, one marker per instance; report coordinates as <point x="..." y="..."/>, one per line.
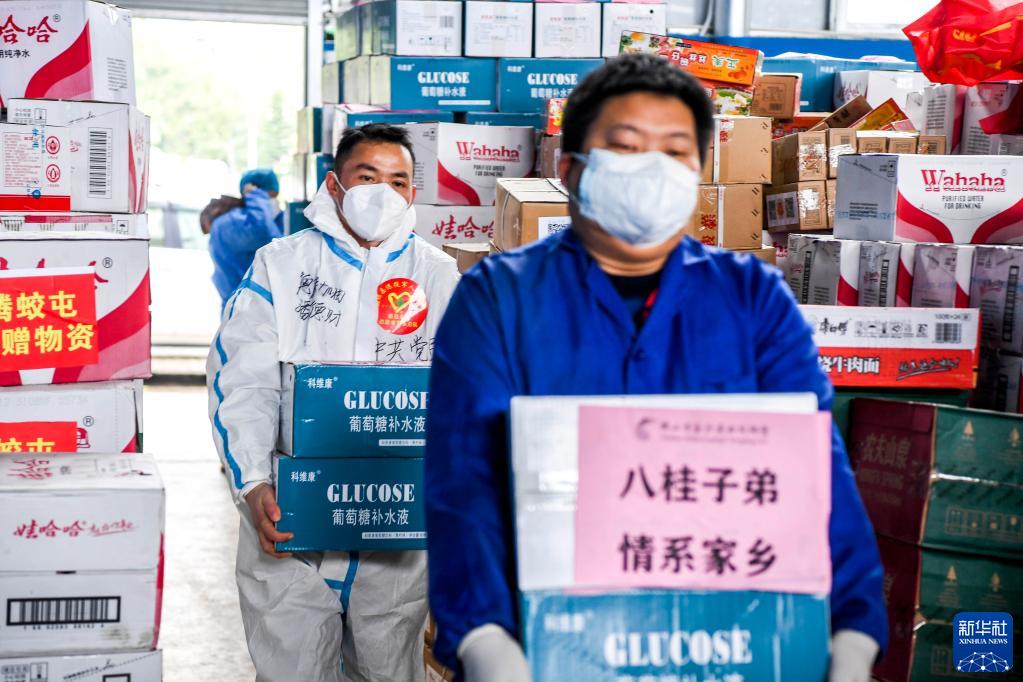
<point x="940" y="181"/>
<point x="470" y="151"/>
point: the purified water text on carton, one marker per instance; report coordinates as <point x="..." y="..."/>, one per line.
<point x="35" y="168"/>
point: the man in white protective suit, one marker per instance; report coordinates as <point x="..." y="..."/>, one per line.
<point x="313" y="297"/>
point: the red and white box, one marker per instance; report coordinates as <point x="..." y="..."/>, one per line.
<point x="904" y="285"/>
<point x="440" y="225"/>
<point x="133" y="666"/>
<point x="459" y="165"/>
<point x="941" y="276"/>
<point x="66" y="49"/>
<point x="896" y="347"/>
<point x="925" y="198"/>
<point x="824" y="270"/>
<point x="997" y="291"/>
<point x="879" y="274"/>
<point x="35" y="168"/>
<point x="78" y="308"/>
<point x="798" y="262"/>
<point x="998" y="145"/>
<point x="128" y="225"/>
<point x="942" y="108"/>
<point x="91" y="418"/>
<point x="991" y="109"/>
<point x="109" y="150"/>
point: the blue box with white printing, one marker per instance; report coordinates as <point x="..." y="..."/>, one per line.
<point x="525" y="85"/>
<point x="443" y="83"/>
<point x="502" y="118"/>
<point x="676" y="635"/>
<point x="358" y="409"/>
<point x="817" y="91"/>
<point x="343" y="505"/>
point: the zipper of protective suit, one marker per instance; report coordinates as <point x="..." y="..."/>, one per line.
<point x="359" y="306"/>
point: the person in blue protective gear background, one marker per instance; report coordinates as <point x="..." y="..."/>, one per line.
<point x="236" y="235"/>
<point x="619" y="304"/>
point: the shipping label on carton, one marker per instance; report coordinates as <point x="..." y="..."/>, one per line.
<point x="724" y="64"/>
<point x="730" y="216"/>
<point x="355" y="410"/>
<point x="660" y="634"/>
<point x="79" y="308"/>
<point x="88" y="418"/>
<point x="896" y="347"/>
<point x="799" y="157"/>
<point x="567" y="30"/>
<point x="435" y="83"/>
<point x="140" y="666"/>
<point x="460" y="164"/>
<point x="879" y="273"/>
<point x="941" y="276"/>
<point x="498" y="29"/>
<point x="777" y="96"/>
<point x="35" y="168"/>
<point x="997" y="290"/>
<point x="528" y="210"/>
<point x="440" y="225"/>
<point x="351" y="504"/>
<point x="799" y="206"/>
<point x="944" y="199"/>
<point x="525" y="85"/>
<point x="109" y="150"/>
<point x="66" y="49"/>
<point x="421" y="28"/>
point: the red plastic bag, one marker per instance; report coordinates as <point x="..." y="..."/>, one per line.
<point x="965" y="42"/>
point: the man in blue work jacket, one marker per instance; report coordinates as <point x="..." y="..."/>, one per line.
<point x="619" y="304"/>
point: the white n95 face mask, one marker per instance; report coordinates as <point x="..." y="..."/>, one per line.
<point x="374" y="212"/>
<point x="642" y="199"/>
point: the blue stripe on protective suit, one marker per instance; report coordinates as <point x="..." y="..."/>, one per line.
<point x="556" y="326"/>
<point x="395" y="255"/>
<point x="341" y="253"/>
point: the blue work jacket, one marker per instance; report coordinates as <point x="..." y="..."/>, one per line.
<point x="546" y="320"/>
<point x="236" y="236"/>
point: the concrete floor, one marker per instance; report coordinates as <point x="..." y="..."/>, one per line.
<point x="201" y="633"/>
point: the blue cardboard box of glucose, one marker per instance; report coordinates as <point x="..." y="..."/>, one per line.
<point x="353" y="410"/>
<point x="351" y="504"/>
<point x="674" y="635"/>
<point x="445" y="83"/>
<point x="525" y="85"/>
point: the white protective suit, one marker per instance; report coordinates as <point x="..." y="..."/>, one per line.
<point x="313" y="297"/>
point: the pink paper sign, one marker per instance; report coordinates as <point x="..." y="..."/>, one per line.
<point x="702" y="500"/>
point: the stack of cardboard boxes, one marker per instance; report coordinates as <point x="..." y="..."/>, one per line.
<point x="82" y="574"/>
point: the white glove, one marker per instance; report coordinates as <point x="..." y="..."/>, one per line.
<point x="490" y="654"/>
<point x="852" y="656"/>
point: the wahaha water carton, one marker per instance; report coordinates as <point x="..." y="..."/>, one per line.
<point x="942" y="113"/>
<point x="440" y="225"/>
<point x="459" y="164"/>
<point x="99" y="417"/>
<point x="66" y="49"/>
<point x="129" y="225"/>
<point x="997" y="290"/>
<point x="823" y="270"/>
<point x="35" y="168"/>
<point x="73" y="307"/>
<point x="879" y="273"/>
<point x="924" y="198"/>
<point x="941" y="276"/>
<point x="135" y="666"/>
<point x="991" y="109"/>
<point x="109" y="150"/>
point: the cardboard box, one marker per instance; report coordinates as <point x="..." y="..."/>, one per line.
<point x="354" y="410"/>
<point x="924" y="589"/>
<point x="87" y="418"/>
<point x="910" y="348"/>
<point x="440" y="225"/>
<point x="43" y="34"/>
<point x="108" y="150"/>
<point x="800" y="124"/>
<point x="351" y="504"/>
<point x="798" y="257"/>
<point x="997" y="145"/>
<point x="80" y="512"/>
<point x="768" y="254"/>
<point x="357" y="82"/>
<point x="724" y="64"/>
<point x="871" y="143"/>
<point x="526" y="84"/>
<point x="730" y="216"/>
<point x="498" y="29"/>
<point x="135" y="666"/>
<point x="294" y="217"/>
<point x="106" y="323"/>
<point x="921" y="198"/>
<point x="942" y="477"/>
<point x="767" y="637"/>
<point x="86" y="612"/>
<point x="777" y="95"/>
<point x="355" y="116"/>
<point x="433" y="83"/>
<point x="991" y="109"/>
<point x="830" y="190"/>
<point x="799" y="158"/>
<point x="740" y="151"/>
<point x="834" y="273"/>
<point x="550" y="155"/>
<point x="500" y="118"/>
<point x="35" y="168"/>
<point x="348" y="34"/>
<point x="622" y="18"/>
<point x="467" y="255"/>
<point x="904" y="287"/>
<point x="412" y="28"/>
<point x="332" y="82"/>
<point x="799" y="206"/>
<point x="459" y="164"/>
<point x="879" y="274"/>
<point x="877" y="86"/>
<point x="999" y="381"/>
<point x="567" y="30"/>
<point x="888" y="116"/>
<point x="943" y="109"/>
<point x="129" y="225"/>
<point x="941" y="276"/>
<point x="997" y="290"/>
<point x="819" y="75"/>
<point x="932" y="144"/>
<point x="317" y="166"/>
<point x="846" y="116"/>
<point x="309" y="130"/>
<point x="529" y="210"/>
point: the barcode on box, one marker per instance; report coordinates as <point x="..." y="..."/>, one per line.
<point x="948" y="332"/>
<point x="63" y="611"/>
<point x="447" y="22"/>
<point x="101" y="163"/>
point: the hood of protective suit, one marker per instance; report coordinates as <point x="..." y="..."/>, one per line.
<point x="322" y="213"/>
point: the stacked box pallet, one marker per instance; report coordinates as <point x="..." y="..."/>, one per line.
<point x="81" y="579"/>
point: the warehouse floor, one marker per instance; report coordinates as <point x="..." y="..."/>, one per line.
<point x="201" y="634"/>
